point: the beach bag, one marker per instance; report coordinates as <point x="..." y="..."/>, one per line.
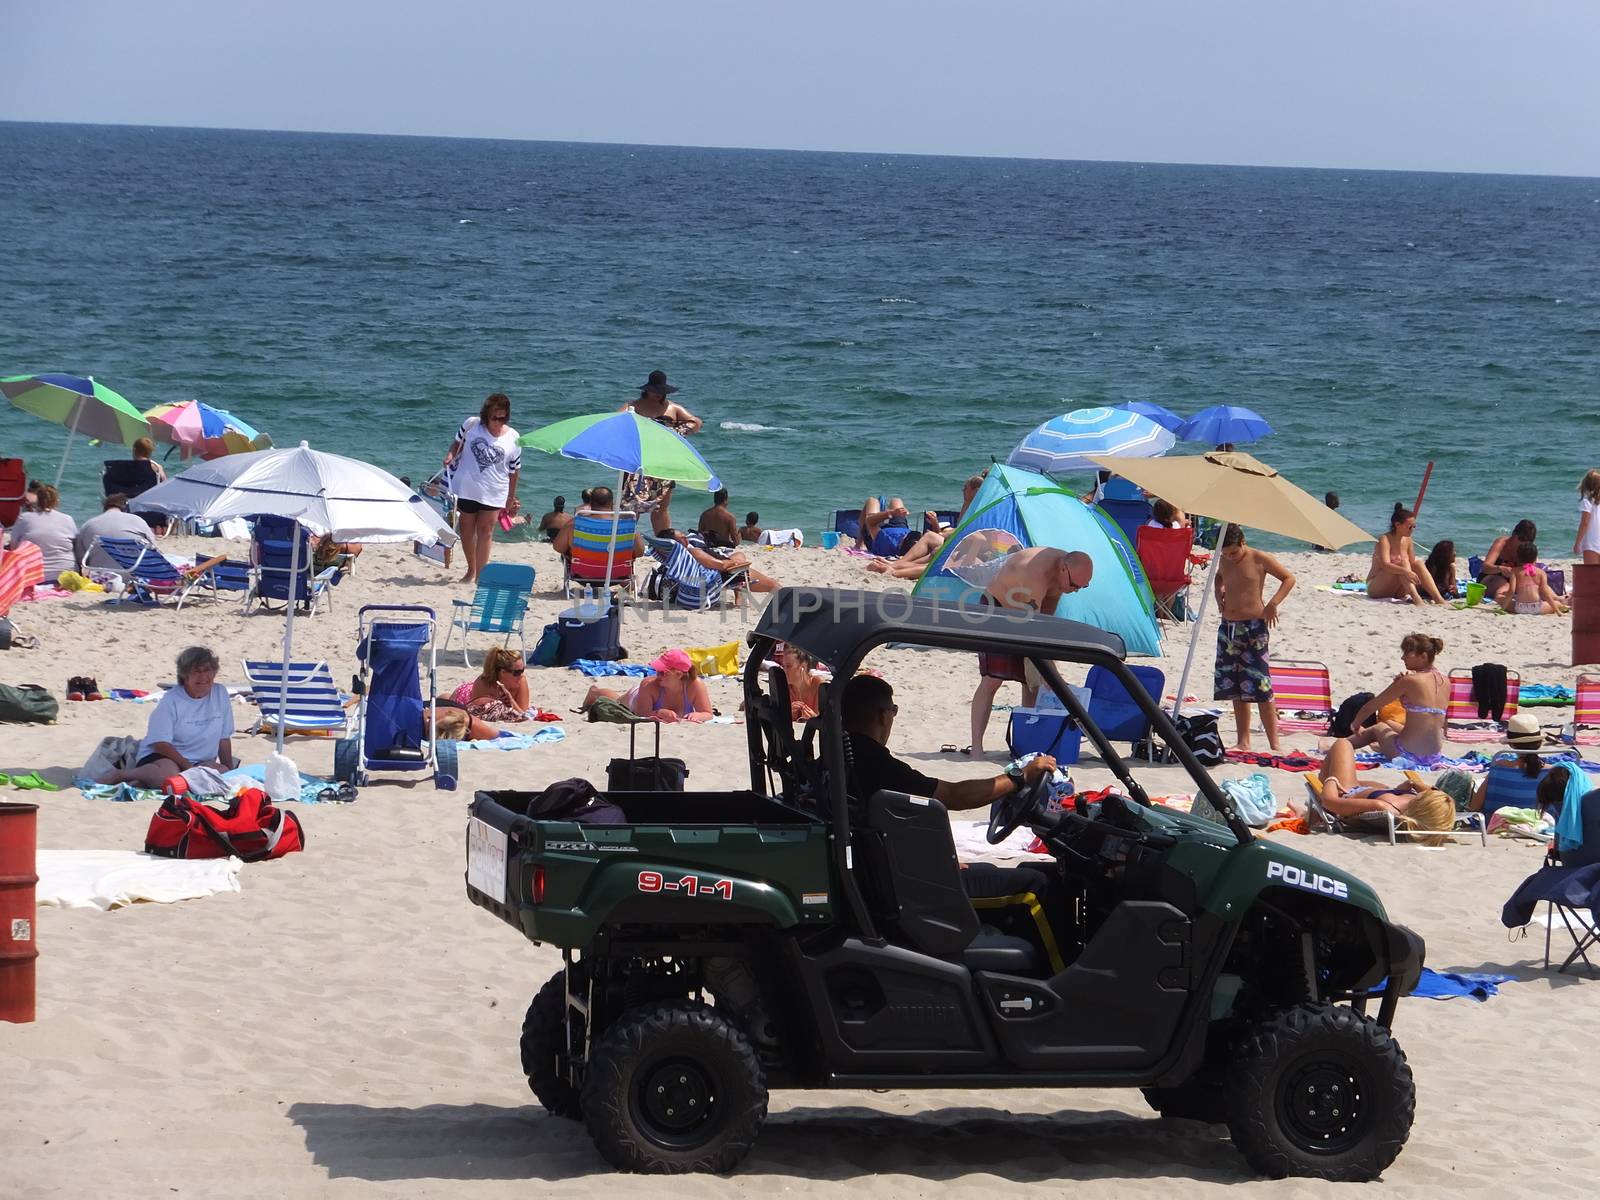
<point x="251" y="828"/>
<point x="651" y="774"/>
<point x="27" y="703"/>
<point x="114" y="753"/>
<point x="1252" y="799"/>
<point x="1204" y="740"/>
<point x="657" y="586"/>
<point x="575" y="800"/>
<point x="547" y="650"/>
<point x="715" y="660"/>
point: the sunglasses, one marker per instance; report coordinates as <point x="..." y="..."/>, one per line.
<point x="513" y="670"/>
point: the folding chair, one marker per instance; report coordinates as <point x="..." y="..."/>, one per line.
<point x="150" y="574"/>
<point x="500" y="605"/>
<point x="1586" y="712"/>
<point x="1585" y="934"/>
<point x="1167" y="555"/>
<point x="1113" y="709"/>
<point x="1129" y="516"/>
<point x="273" y="552"/>
<point x="312" y="705"/>
<point x="593" y="546"/>
<point x="1303" y="694"/>
<point x="1468" y="825"/>
<point x="21" y="568"/>
<point x="1461" y="713"/>
<point x="230" y="575"/>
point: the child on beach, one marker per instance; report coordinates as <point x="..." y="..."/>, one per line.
<point x="1530" y="594"/>
<point x="1500" y="564"/>
<point x="1441" y="566"/>
<point x="1587" y="543"/>
<point x="751" y="530"/>
<point x="1243" y="671"/>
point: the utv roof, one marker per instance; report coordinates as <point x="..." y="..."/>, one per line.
<point x="831" y="624"/>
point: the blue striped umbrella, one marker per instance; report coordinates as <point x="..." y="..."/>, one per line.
<point x="1162" y="416"/>
<point x="1225" y="424"/>
<point x="1070" y="442"/>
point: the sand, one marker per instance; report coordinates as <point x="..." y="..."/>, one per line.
<point x="347" y="1024"/>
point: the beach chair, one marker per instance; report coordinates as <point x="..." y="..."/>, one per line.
<point x="1468" y="825"/>
<point x="1586" y="712"/>
<point x="593" y="545"/>
<point x="1113" y="709"/>
<point x="1167" y="556"/>
<point x="272" y="551"/>
<point x="21" y="568"/>
<point x="1303" y="694"/>
<point x="13" y="490"/>
<point x="1461" y="720"/>
<point x="150" y="574"/>
<point x="500" y="605"/>
<point x="1128" y="515"/>
<point x="394" y="724"/>
<point x="311" y="704"/>
<point x="230" y="575"/>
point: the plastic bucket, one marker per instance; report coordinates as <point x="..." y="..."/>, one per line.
<point x="18" y="949"/>
<point x="1474" y="594"/>
<point x="831" y="538"/>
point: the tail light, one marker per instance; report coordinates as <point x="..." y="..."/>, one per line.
<point x="538" y="885"/>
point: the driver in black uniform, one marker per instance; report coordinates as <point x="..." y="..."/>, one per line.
<point x="867" y="710"/>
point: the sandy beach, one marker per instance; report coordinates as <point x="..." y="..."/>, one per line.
<point x="347" y="1024"/>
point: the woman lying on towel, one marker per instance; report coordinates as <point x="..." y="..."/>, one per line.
<point x="1423" y="691"/>
<point x="192" y="726"/>
<point x="1396" y="571"/>
<point x="1342" y="794"/>
<point x="674" y="693"/>
<point x="500" y="692"/>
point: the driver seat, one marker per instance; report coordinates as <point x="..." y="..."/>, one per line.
<point x="912" y="880"/>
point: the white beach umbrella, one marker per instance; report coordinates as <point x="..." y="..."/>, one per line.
<point x="327" y="493"/>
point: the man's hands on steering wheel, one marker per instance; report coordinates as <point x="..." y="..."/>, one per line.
<point x="1013" y="808"/>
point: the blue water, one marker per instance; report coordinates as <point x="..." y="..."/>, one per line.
<point x="844" y="323"/>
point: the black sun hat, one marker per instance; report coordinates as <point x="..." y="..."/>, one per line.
<point x="657" y="384"/>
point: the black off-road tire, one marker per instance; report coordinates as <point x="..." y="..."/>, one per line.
<point x="674" y="1087"/>
<point x="1199" y="1098"/>
<point x="544" y="1048"/>
<point x="1320" y="1091"/>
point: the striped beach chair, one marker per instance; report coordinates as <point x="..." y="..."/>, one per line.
<point x="1303" y="694"/>
<point x="593" y="545"/>
<point x="1586" y="712"/>
<point x="151" y="575"/>
<point x="312" y="704"/>
<point x="21" y="567"/>
<point x="500" y="605"/>
<point x="1461" y="720"/>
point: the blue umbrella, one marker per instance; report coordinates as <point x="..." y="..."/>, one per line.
<point x="1163" y="417"/>
<point x="1068" y="442"/>
<point x="1224" y="424"/>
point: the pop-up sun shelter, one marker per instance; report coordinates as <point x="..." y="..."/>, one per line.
<point x="1017" y="509"/>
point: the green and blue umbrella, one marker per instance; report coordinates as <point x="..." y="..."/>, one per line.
<point x="626" y="442"/>
<point x="80" y="404"/>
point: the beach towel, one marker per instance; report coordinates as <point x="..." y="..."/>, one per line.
<point x="1545" y="695"/>
<point x="1449" y="985"/>
<point x="1297" y="760"/>
<point x="596" y="666"/>
<point x="516" y="741"/>
<point x="21" y="567"/>
<point x="107" y="879"/>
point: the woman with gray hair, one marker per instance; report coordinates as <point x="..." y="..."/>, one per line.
<point x="192" y="726"/>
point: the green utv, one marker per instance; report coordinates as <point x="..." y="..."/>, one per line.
<point x="720" y="944"/>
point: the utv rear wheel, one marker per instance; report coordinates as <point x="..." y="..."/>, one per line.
<point x="544" y="1048"/>
<point x="1320" y="1091"/>
<point x="674" y="1087"/>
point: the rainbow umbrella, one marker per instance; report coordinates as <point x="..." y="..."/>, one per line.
<point x="199" y="429"/>
<point x="80" y="404"/>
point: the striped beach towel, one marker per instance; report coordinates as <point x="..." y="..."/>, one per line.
<point x="20" y="568"/>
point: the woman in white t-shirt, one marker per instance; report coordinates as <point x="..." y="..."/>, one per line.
<point x="484" y="462"/>
<point x="1587" y="542"/>
<point x="192" y="726"/>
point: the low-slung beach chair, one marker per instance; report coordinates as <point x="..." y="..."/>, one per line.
<point x="1167" y="556"/>
<point x="1128" y="515"/>
<point x="273" y="553"/>
<point x="1461" y="720"/>
<point x="1303" y="694"/>
<point x="500" y="605"/>
<point x="21" y="567"/>
<point x="1586" y="712"/>
<point x="150" y="574"/>
<point x="310" y="704"/>
<point x="593" y="545"/>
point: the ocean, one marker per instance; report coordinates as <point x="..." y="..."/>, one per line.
<point x="845" y="324"/>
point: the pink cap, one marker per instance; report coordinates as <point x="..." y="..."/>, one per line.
<point x="672" y="660"/>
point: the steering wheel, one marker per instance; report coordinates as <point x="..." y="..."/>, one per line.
<point x="1012" y="809"/>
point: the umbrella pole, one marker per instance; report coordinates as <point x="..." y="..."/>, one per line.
<point x="611" y="550"/>
<point x="288" y="632"/>
<point x="72" y="432"/>
<point x="1199" y="618"/>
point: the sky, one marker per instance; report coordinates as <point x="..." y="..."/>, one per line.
<point x="1446" y="85"/>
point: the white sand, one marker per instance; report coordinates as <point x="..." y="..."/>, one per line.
<point x="347" y="1025"/>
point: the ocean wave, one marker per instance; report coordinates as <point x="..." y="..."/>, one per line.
<point x="752" y="427"/>
<point x="895" y="300"/>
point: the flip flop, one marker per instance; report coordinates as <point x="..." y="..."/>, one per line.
<point x="948" y="748"/>
<point x="345" y="792"/>
<point x="33" y="782"/>
<point x="327" y="795"/>
<point x="5" y="780"/>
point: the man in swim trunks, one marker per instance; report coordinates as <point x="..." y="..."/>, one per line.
<point x="1243" y="673"/>
<point x="1033" y="580"/>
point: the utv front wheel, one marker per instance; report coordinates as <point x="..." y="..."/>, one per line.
<point x="544" y="1048"/>
<point x="674" y="1087"/>
<point x="1320" y="1091"/>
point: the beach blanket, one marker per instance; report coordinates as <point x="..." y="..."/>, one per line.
<point x="107" y="879"/>
<point x="121" y="793"/>
<point x="256" y="776"/>
<point x="1449" y="985"/>
<point x="597" y="666"/>
<point x="1295" y="760"/>
<point x="1545" y="695"/>
<point x="516" y="741"/>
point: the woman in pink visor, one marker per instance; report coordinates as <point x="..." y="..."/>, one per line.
<point x="674" y="693"/>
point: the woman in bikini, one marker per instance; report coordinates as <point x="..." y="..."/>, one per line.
<point x="674" y="693"/>
<point x="805" y="683"/>
<point x="1500" y="564"/>
<point x="1338" y="792"/>
<point x="1396" y="571"/>
<point x="500" y="692"/>
<point x="1422" y="691"/>
<point x="1529" y="594"/>
<point x="643" y="493"/>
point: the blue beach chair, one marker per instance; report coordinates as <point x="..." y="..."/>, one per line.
<point x="272" y="551"/>
<point x="310" y="704"/>
<point x="150" y="574"/>
<point x="500" y="605"/>
<point x="1114" y="710"/>
<point x="394" y="727"/>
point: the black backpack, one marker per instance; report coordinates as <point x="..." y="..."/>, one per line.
<point x="1341" y="724"/>
<point x="575" y="800"/>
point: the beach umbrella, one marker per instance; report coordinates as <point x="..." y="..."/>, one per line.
<point x="199" y="429"/>
<point x="1224" y="425"/>
<point x="80" y="404"/>
<point x="1239" y="490"/>
<point x="630" y="445"/>
<point x="1161" y="415"/>
<point x="1069" y="442"/>
<point x="327" y="493"/>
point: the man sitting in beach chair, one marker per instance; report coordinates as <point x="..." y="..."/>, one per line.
<point x="698" y="577"/>
<point x="598" y="546"/>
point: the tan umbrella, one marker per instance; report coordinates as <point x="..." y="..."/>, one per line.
<point x="1239" y="490"/>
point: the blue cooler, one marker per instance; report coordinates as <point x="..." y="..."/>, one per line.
<point x="1049" y="731"/>
<point x="584" y="635"/>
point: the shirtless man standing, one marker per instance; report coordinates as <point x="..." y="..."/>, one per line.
<point x="1243" y="673"/>
<point x="1034" y="579"/>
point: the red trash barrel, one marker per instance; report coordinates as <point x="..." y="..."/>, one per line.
<point x="1585" y="601"/>
<point x="18" y="949"/>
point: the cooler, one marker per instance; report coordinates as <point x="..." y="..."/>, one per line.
<point x="590" y="632"/>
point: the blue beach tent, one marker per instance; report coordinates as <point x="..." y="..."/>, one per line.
<point x="1017" y="509"/>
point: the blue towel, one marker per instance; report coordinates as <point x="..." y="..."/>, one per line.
<point x="1569" y="826"/>
<point x="596" y="666"/>
<point x="122" y="793"/>
<point x="1447" y="985"/>
<point x="516" y="741"/>
<point x="1545" y="693"/>
<point x="256" y="776"/>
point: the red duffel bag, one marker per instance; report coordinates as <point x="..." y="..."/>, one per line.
<point x="251" y="827"/>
